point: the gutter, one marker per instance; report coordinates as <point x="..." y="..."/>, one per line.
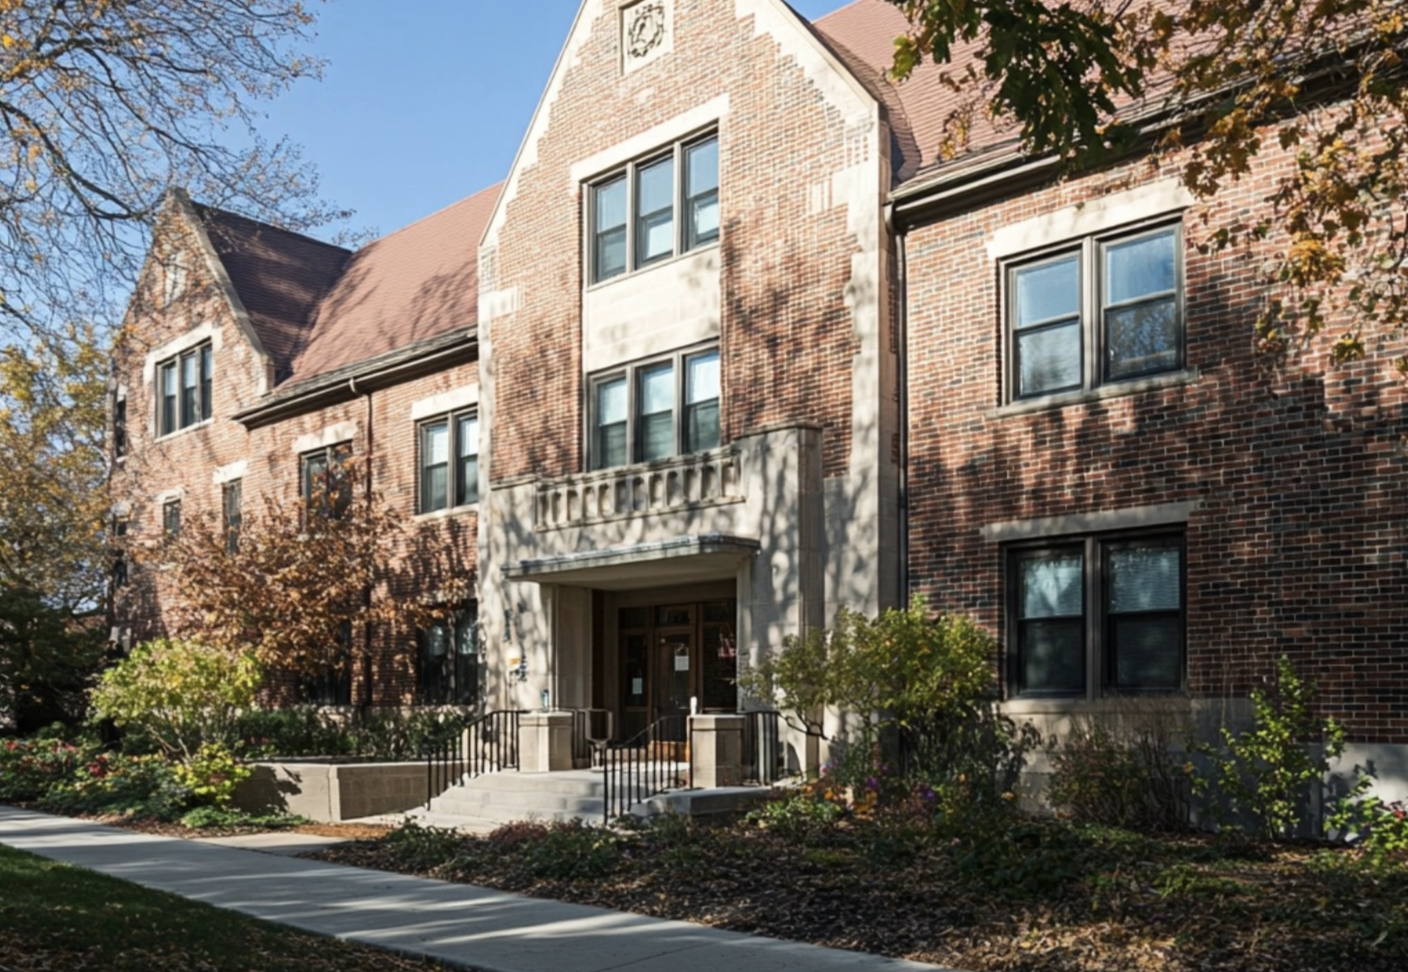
<point x="346" y="385"/>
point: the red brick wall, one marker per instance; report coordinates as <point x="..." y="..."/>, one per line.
<point x="1299" y="545"/>
<point x="188" y="460"/>
<point x="787" y="341"/>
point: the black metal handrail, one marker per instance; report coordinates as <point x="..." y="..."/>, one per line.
<point x="763" y="759"/>
<point x="484" y="745"/>
<point x="591" y="731"/>
<point x="649" y="763"/>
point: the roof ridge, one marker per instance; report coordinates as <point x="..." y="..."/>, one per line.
<point x="431" y="215"/>
<point x="207" y="208"/>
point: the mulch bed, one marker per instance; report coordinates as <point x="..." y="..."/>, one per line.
<point x="1171" y="904"/>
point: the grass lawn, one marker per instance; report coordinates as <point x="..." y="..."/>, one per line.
<point x="1038" y="897"/>
<point x="58" y="918"/>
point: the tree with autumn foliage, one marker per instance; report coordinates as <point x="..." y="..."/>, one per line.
<point x="295" y="579"/>
<point x="1217" y="83"/>
<point x="54" y="558"/>
<point x="105" y="105"/>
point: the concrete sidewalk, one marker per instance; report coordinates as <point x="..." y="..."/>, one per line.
<point x="491" y="931"/>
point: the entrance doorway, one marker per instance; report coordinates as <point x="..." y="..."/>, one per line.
<point x="672" y="654"/>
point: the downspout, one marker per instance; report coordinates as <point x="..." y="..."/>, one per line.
<point x="366" y="592"/>
<point x="902" y="380"/>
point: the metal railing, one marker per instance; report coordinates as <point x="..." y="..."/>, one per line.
<point x="485" y="745"/>
<point x="591" y="731"/>
<point x="655" y="760"/>
<point x="764" y="760"/>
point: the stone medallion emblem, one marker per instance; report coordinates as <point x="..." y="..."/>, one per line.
<point x="645" y="29"/>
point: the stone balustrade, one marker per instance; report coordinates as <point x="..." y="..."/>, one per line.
<point x="684" y="482"/>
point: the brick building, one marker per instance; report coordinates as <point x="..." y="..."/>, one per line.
<point x="732" y="347"/>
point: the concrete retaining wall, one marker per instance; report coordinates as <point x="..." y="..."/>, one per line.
<point x="332" y="792"/>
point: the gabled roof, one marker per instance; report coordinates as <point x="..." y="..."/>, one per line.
<point x="319" y="308"/>
<point x="278" y="275"/>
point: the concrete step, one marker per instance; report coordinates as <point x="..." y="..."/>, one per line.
<point x="489" y="803"/>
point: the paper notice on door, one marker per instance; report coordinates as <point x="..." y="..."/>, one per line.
<point x="637" y="686"/>
<point x="681" y="663"/>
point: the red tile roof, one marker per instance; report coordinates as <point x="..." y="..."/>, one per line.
<point x="318" y="307"/>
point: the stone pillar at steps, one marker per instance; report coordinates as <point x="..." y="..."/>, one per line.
<point x="716" y="750"/>
<point x="544" y="742"/>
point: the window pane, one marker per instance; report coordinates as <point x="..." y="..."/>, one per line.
<point x="206" y="382"/>
<point x="657" y="407"/>
<point x="1142" y="338"/>
<point x="190" y="390"/>
<point x="233" y="500"/>
<point x="611" y="424"/>
<point x="609" y="207"/>
<point x="437" y="641"/>
<point x="1053" y="585"/>
<point x="315" y="474"/>
<point x="467" y="472"/>
<point x="702" y="191"/>
<point x="701" y="395"/>
<point x="1147" y="652"/>
<point x="1141" y="267"/>
<point x="1053" y="656"/>
<point x="168" y="398"/>
<point x="1048" y="291"/>
<point x="1049" y="360"/>
<point x="1145" y="576"/>
<point x="119" y="428"/>
<point x="171" y="517"/>
<point x="435" y="466"/>
<point x="655" y="206"/>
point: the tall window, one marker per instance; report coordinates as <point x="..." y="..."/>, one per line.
<point x="232" y="499"/>
<point x="119" y="426"/>
<point x="448" y="673"/>
<point x="449" y="462"/>
<point x="171" y="517"/>
<point x="119" y="552"/>
<point x="331" y="684"/>
<point x="327" y="480"/>
<point x="185" y="390"/>
<point x="1098" y="615"/>
<point x="1105" y="310"/>
<point x="655" y="409"/>
<point x="653" y="209"/>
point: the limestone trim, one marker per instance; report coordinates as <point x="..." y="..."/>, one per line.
<point x="228" y="474"/>
<point x="195" y="337"/>
<point x="1103" y="521"/>
<point x="688" y="546"/>
<point x="451" y="401"/>
<point x="1162" y="198"/>
<point x="329" y="436"/>
<point x="696" y="121"/>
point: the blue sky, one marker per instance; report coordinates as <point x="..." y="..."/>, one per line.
<point x="425" y="101"/>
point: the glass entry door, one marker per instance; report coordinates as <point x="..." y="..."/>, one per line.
<point x="672" y="654"/>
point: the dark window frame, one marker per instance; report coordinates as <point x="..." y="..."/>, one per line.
<point x="685" y="235"/>
<point x="451" y="678"/>
<point x="338" y="484"/>
<point x="332" y="686"/>
<point x="175" y="410"/>
<point x="232" y="513"/>
<point x="631" y="374"/>
<point x="1092" y="309"/>
<point x="461" y="491"/>
<point x="1098" y="643"/>
<point x="119" y="426"/>
<point x="171" y="517"/>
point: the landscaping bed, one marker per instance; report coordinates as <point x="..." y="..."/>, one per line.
<point x="1041" y="896"/>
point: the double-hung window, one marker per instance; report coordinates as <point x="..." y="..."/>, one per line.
<point x="171" y="517"/>
<point x="1097" y="615"/>
<point x="119" y="426"/>
<point x="655" y="409"/>
<point x="653" y="209"/>
<point x="448" y="673"/>
<point x="326" y="481"/>
<point x="232" y="514"/>
<point x="449" y="462"/>
<point x="1105" y="310"/>
<point x="185" y="390"/>
<point x="330" y="683"/>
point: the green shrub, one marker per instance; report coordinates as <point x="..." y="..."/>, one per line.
<point x="30" y="768"/>
<point x="387" y="734"/>
<point x="1261" y="777"/>
<point x="800" y="815"/>
<point x="571" y="851"/>
<point x="202" y="818"/>
<point x="181" y="694"/>
<point x="113" y="783"/>
<point x="425" y="847"/>
<point x="1381" y="827"/>
<point x="212" y="775"/>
